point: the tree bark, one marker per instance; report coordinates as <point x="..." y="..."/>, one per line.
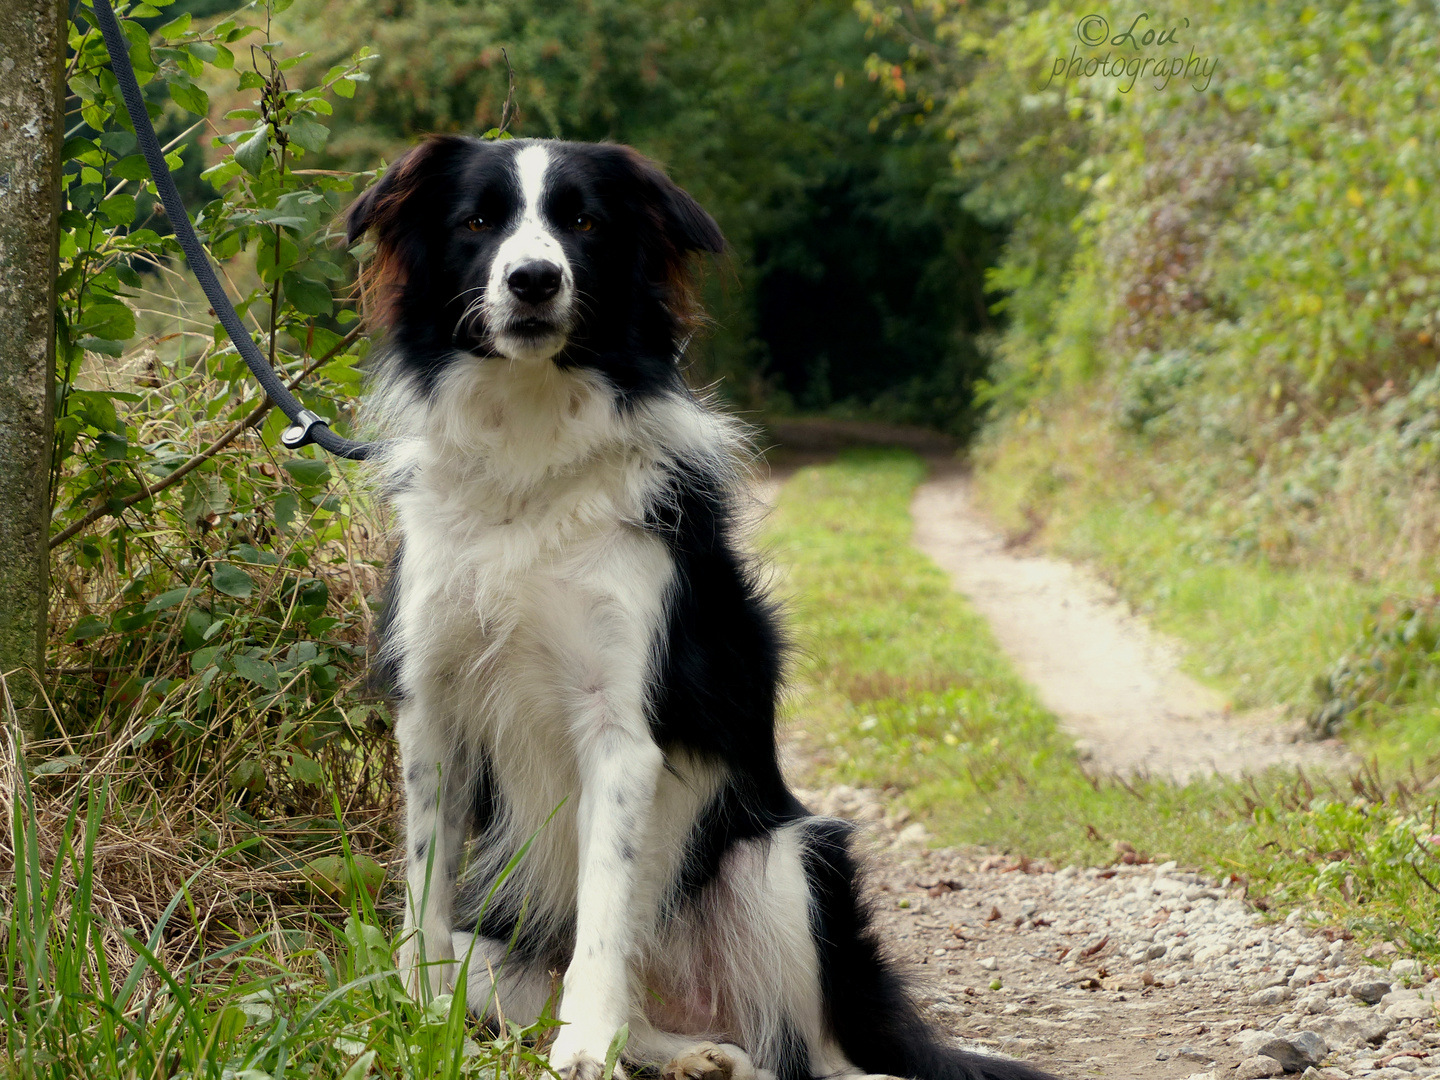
<point x="32" y="51"/>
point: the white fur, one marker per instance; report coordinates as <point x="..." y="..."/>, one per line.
<point x="527" y="614"/>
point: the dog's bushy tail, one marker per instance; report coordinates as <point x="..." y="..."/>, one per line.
<point x="871" y="1013"/>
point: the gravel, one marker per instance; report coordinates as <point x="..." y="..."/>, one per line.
<point x="1137" y="969"/>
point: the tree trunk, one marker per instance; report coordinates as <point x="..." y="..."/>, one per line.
<point x="32" y="50"/>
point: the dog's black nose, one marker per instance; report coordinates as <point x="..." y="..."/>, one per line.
<point x="534" y="282"/>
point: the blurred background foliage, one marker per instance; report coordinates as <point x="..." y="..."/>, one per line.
<point x="855" y="281"/>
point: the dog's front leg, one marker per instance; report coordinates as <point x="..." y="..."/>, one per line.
<point x="620" y="767"/>
<point x="435" y="782"/>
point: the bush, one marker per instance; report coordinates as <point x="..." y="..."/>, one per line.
<point x="211" y="592"/>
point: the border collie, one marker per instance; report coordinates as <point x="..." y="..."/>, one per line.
<point x="584" y="665"/>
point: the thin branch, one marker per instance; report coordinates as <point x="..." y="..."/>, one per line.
<point x="255" y="416"/>
<point x="507" y="111"/>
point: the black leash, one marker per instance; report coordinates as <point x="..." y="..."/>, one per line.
<point x="305" y="427"/>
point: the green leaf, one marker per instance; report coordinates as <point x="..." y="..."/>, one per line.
<point x="176" y="28"/>
<point x="101" y="345"/>
<point x="360" y="1068"/>
<point x="132" y="167"/>
<point x="57" y="765"/>
<point x="250" y="80"/>
<point x="97" y="409"/>
<point x="252" y="152"/>
<point x="308" y="133"/>
<point x="248" y="776"/>
<point x="193" y="632"/>
<point x="307" y="472"/>
<point x="75" y="147"/>
<point x="108" y="319"/>
<point x="118" y="210"/>
<point x="310" y="297"/>
<point x="169" y="599"/>
<point x="190" y="97"/>
<point x="88" y="627"/>
<point x="332" y="876"/>
<point x="261" y="672"/>
<point x="305" y="769"/>
<point x="284" y="510"/>
<point x="232" y="581"/>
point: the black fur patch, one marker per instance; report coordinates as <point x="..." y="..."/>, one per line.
<point x="720" y="667"/>
<point x="871" y="1013"/>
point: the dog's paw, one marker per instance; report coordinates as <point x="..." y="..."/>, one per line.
<point x="437" y="972"/>
<point x="581" y="1067"/>
<point x="710" y="1061"/>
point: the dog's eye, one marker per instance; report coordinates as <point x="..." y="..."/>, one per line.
<point x="477" y="224"/>
<point x="582" y="223"/>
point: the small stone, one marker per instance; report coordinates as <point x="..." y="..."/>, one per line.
<point x="1405" y="967"/>
<point x="1249" y="1041"/>
<point x="1254" y="1068"/>
<point x="989" y="963"/>
<point x="1162" y="1055"/>
<point x="1189" y="1053"/>
<point x="1409" y="1064"/>
<point x="1353" y="1028"/>
<point x="1310" y="1046"/>
<point x="1295" y="1052"/>
<point x="1414" y="1009"/>
<point x="1271" y="995"/>
<point x="1369" y="991"/>
<point x="913" y="834"/>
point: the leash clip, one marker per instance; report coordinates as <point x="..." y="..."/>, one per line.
<point x="298" y="434"/>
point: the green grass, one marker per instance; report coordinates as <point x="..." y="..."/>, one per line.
<point x="85" y="998"/>
<point x="1259" y="632"/>
<point x="901" y="686"/>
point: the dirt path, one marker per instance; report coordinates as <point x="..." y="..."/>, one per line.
<point x="1125" y="971"/>
<point x="1133" y="971"/>
<point x="1113" y="682"/>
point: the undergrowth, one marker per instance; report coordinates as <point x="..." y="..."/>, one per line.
<point x="901" y="686"/>
<point x="86" y="994"/>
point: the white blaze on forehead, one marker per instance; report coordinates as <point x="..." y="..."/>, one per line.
<point x="531" y="164"/>
<point x="532" y="238"/>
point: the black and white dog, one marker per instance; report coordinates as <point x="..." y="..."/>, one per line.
<point x="571" y="626"/>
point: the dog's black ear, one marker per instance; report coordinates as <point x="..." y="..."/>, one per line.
<point x="384" y="201"/>
<point x="392" y="210"/>
<point x="691" y="227"/>
<point x="681" y="220"/>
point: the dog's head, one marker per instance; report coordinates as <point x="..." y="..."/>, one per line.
<point x="537" y="251"/>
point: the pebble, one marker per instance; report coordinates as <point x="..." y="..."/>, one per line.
<point x="1369" y="991"/>
<point x="1252" y="1068"/>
